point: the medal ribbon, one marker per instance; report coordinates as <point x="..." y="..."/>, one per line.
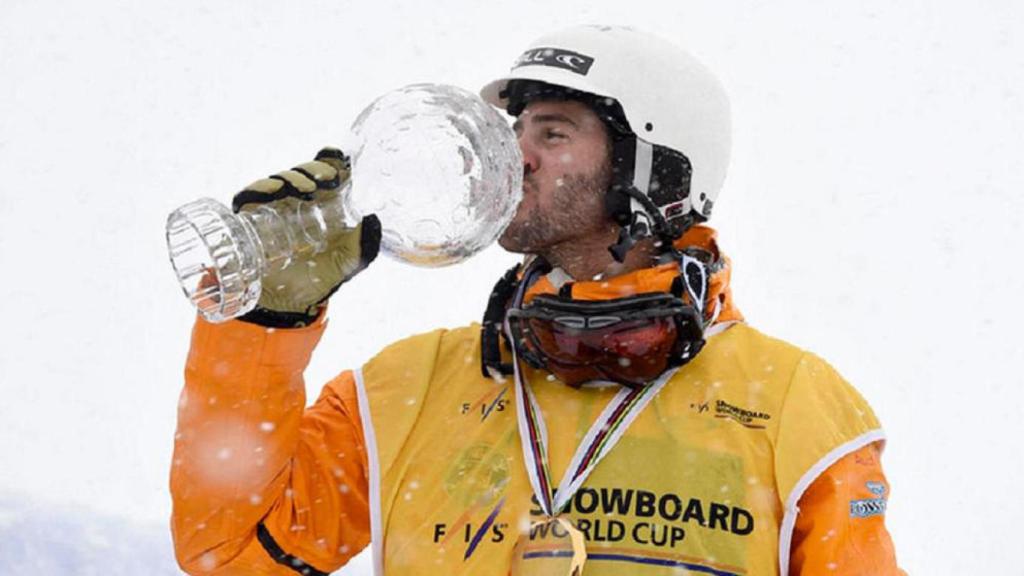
<point x="598" y="442"/>
<point x="611" y="424"/>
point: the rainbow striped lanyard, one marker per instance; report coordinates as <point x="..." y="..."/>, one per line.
<point x="606" y="431"/>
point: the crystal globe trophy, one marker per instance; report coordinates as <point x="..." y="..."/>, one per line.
<point x="439" y="167"/>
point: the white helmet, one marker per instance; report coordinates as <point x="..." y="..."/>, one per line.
<point x="668" y="113"/>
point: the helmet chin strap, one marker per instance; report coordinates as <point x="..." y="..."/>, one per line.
<point x="649" y="195"/>
<point x="643" y="219"/>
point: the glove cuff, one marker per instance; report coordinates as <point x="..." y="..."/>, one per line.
<point x="274" y="319"/>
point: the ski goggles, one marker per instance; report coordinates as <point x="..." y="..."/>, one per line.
<point x="630" y="340"/>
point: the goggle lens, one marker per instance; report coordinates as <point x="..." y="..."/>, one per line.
<point x="631" y="352"/>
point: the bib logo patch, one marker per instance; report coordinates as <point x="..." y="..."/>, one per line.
<point x="629" y="526"/>
<point x="556" y="58"/>
<point x="472" y="534"/>
<point x="492" y="402"/>
<point x="478" y="476"/>
<point x="748" y="418"/>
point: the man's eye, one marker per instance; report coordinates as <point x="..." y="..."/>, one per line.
<point x="553" y="134"/>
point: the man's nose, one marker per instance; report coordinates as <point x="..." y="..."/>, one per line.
<point x="531" y="160"/>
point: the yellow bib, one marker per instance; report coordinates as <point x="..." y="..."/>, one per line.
<point x="706" y="479"/>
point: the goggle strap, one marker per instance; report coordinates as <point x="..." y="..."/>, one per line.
<point x="491" y="326"/>
<point x="677" y="287"/>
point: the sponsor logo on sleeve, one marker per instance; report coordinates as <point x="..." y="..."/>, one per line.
<point x="867" y="508"/>
<point x="876" y="488"/>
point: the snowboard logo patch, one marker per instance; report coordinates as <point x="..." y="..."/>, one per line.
<point x="557" y="58"/>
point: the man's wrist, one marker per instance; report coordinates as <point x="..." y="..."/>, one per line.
<point x="276" y="319"/>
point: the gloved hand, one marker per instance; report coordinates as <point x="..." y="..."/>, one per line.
<point x="293" y="296"/>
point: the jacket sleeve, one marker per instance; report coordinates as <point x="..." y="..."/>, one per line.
<point x="260" y="484"/>
<point x="841" y="526"/>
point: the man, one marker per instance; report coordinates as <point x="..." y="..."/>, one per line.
<point x="628" y="422"/>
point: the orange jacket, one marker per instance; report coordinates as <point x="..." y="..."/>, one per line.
<point x="255" y="477"/>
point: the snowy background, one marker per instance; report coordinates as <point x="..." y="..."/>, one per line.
<point x="873" y="212"/>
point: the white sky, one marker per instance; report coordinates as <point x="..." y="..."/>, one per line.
<point x="872" y="212"/>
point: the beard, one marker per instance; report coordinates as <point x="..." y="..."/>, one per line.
<point x="577" y="209"/>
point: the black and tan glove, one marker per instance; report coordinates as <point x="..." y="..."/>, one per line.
<point x="295" y="295"/>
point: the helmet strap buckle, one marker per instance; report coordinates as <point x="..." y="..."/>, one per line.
<point x="637" y="229"/>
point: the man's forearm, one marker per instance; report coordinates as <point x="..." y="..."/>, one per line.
<point x="238" y="427"/>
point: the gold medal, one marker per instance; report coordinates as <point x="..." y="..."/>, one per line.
<point x="552" y="547"/>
